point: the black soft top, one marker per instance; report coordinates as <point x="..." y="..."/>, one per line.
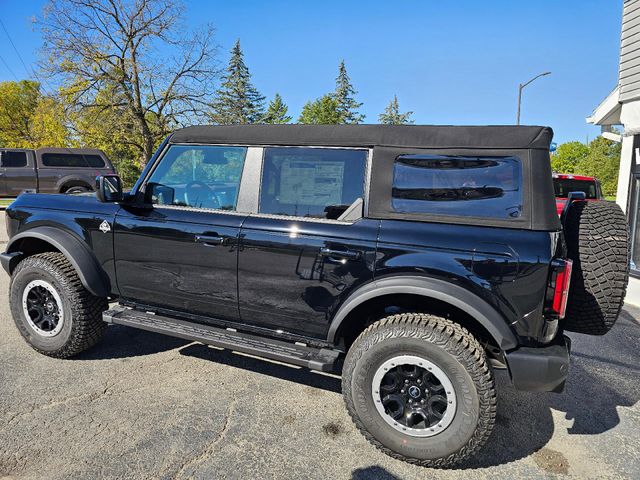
<point x="432" y="136"/>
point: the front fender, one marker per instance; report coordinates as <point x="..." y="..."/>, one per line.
<point x="441" y="290"/>
<point x="91" y="274"/>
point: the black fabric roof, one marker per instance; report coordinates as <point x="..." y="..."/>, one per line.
<point x="432" y="136"/>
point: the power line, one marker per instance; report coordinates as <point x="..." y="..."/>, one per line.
<point x="8" y="68"/>
<point x="26" y="69"/>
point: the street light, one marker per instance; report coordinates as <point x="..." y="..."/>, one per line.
<point x="521" y="86"/>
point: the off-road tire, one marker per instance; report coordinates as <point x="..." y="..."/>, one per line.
<point x="597" y="238"/>
<point x="454" y="350"/>
<point x="83" y="326"/>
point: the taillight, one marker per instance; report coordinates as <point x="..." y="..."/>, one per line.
<point x="560" y="283"/>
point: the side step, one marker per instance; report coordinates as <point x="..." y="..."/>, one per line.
<point x="322" y="359"/>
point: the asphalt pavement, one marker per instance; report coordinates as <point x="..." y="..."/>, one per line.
<point x="141" y="405"/>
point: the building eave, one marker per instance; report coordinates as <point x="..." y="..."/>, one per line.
<point x="608" y="112"/>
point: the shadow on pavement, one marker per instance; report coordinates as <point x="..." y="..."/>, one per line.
<point x="604" y="376"/>
<point x="372" y="473"/>
<point x="123" y="342"/>
<point x="299" y="375"/>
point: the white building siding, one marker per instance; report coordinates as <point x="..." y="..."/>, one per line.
<point x="629" y="77"/>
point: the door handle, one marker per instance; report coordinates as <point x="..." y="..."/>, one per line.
<point x="210" y="241"/>
<point x="347" y="254"/>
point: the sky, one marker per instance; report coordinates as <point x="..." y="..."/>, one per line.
<point x="454" y="62"/>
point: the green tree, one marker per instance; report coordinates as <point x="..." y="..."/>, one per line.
<point x="323" y="110"/>
<point x="602" y="162"/>
<point x="344" y="95"/>
<point x="277" y="111"/>
<point x="162" y="72"/>
<point x="392" y="115"/>
<point x="237" y="100"/>
<point x="567" y="156"/>
<point x="113" y="130"/>
<point x="29" y="119"/>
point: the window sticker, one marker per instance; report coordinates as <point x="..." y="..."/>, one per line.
<point x="309" y="182"/>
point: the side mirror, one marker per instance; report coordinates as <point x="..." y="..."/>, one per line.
<point x="109" y="188"/>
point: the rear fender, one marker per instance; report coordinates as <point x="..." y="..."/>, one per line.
<point x="433" y="288"/>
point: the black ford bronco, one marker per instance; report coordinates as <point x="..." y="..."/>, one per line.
<point x="412" y="260"/>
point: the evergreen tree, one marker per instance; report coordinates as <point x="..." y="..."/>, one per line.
<point x="237" y="100"/>
<point x="344" y="95"/>
<point x="324" y="110"/>
<point x="392" y="115"/>
<point x="277" y="111"/>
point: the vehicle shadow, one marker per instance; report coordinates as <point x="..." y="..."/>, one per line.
<point x="123" y="342"/>
<point x="300" y="375"/>
<point x="603" y="376"/>
<point x="374" y="472"/>
<point x="597" y="385"/>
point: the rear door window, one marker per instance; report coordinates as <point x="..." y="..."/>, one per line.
<point x="14" y="159"/>
<point x="458" y="186"/>
<point x="311" y="182"/>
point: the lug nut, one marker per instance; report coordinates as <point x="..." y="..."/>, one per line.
<point x="406" y="381"/>
<point x="402" y="391"/>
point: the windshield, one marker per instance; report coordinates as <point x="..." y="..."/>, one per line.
<point x="563" y="186"/>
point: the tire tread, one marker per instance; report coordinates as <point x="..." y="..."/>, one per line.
<point x="457" y="341"/>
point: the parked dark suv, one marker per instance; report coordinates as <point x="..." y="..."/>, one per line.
<point x="413" y="260"/>
<point x="51" y="170"/>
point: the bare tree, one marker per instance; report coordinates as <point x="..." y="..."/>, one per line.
<point x="162" y="76"/>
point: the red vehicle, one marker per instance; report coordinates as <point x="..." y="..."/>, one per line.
<point x="564" y="183"/>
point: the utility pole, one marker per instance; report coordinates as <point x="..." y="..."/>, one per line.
<point x="521" y="86"/>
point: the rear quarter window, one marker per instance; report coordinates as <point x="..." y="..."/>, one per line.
<point x="64" y="160"/>
<point x="95" y="161"/>
<point x="458" y="186"/>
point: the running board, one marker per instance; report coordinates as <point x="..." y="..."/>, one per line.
<point x="322" y="359"/>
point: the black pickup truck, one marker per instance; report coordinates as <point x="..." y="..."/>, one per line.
<point x="51" y="170"/>
<point x="412" y="260"/>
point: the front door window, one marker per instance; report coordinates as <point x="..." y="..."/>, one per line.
<point x="198" y="176"/>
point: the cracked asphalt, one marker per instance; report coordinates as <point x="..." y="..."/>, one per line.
<point x="140" y="405"/>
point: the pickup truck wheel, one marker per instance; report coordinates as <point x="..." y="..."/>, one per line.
<point x="53" y="311"/>
<point x="597" y="238"/>
<point x="419" y="388"/>
<point x="78" y="189"/>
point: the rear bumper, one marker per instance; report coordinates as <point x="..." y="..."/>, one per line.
<point x="540" y="369"/>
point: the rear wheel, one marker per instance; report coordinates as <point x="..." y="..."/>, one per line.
<point x="597" y="238"/>
<point x="418" y="387"/>
<point x="74" y="190"/>
<point x="53" y="311"/>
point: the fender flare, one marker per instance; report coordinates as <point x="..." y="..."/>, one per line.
<point x="91" y="274"/>
<point x="459" y="297"/>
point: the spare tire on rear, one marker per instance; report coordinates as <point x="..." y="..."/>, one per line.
<point x="597" y="238"/>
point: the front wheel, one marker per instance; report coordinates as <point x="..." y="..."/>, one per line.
<point x="53" y="311"/>
<point x="419" y="388"/>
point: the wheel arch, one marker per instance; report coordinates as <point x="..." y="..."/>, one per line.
<point x="45" y="238"/>
<point x="475" y="309"/>
<point x="73" y="181"/>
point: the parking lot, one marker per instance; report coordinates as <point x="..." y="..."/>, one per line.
<point x="142" y="405"/>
